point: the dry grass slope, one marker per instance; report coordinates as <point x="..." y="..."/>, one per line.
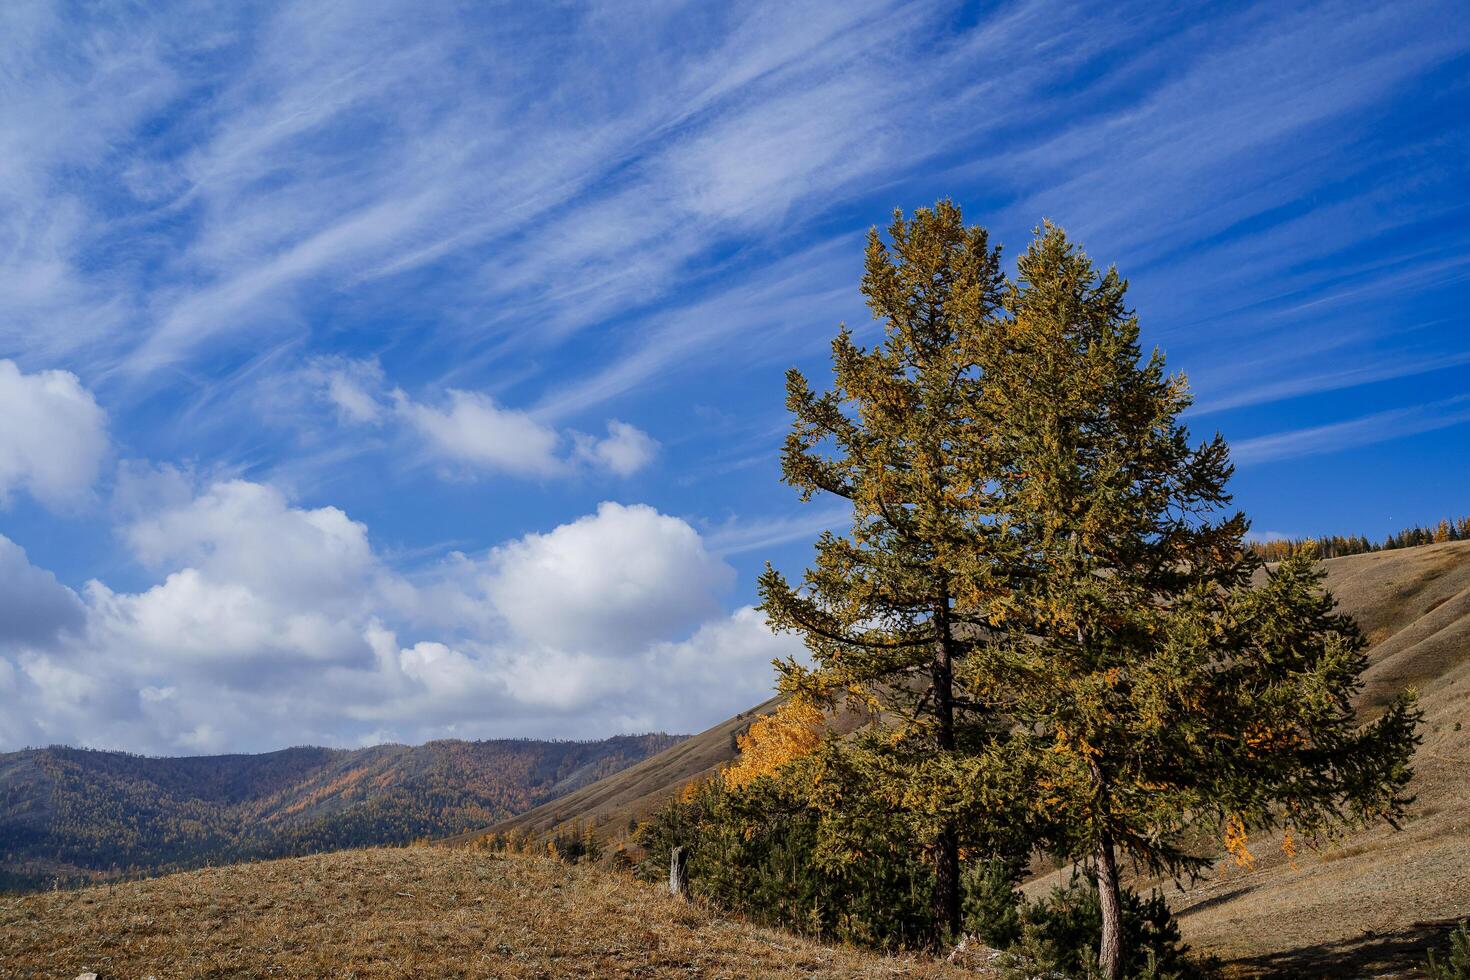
<point x="405" y="912"/>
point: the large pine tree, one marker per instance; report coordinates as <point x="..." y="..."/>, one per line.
<point x="1041" y="587"/>
<point x="1160" y="676"/>
<point x="886" y="609"/>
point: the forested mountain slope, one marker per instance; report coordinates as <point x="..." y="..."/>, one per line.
<point x="75" y="814"/>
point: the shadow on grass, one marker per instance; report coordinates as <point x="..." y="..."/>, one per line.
<point x="1395" y="954"/>
<point x="1219" y="899"/>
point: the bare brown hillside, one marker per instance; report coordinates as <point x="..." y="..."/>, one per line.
<point x="612" y="804"/>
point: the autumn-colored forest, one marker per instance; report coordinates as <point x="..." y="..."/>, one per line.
<point x="72" y="815"/>
<point x="1340" y="546"/>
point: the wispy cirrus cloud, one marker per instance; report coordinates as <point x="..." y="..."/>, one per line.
<point x="1394" y="423"/>
<point x="741" y="536"/>
<point x="265" y="230"/>
<point x="1296" y="384"/>
<point x="333" y="150"/>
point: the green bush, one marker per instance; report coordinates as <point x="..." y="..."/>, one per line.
<point x="992" y="905"/>
<point x="763" y="852"/>
<point x="1059" y="934"/>
<point x="1457" y="967"/>
<point x="859" y="875"/>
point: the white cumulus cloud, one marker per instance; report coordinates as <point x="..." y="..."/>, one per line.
<point x="247" y="533"/>
<point x="271" y="624"/>
<point x="625" y="450"/>
<point x="612" y="580"/>
<point x="54" y="436"/>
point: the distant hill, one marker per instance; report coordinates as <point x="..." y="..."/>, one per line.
<point x="78" y="815"/>
<point x="1373" y="901"/>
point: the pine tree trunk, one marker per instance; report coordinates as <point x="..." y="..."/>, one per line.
<point x="946" y="911"/>
<point x="1110" y="949"/>
<point x="946" y="885"/>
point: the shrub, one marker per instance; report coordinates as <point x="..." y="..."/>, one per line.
<point x="764" y="852"/>
<point x="992" y="905"/>
<point x="1059" y="935"/>
<point x="575" y="844"/>
<point x="1457" y="967"/>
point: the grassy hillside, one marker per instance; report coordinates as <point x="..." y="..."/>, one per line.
<point x="1372" y="904"/>
<point x="407" y="912"/>
<point x="1374" y="901"/>
<point x="613" y="804"/>
<point x="76" y="815"/>
<point x="610" y="803"/>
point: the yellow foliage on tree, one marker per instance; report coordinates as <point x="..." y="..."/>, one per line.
<point x="1288" y="847"/>
<point x="1236" y="840"/>
<point x="794" y="730"/>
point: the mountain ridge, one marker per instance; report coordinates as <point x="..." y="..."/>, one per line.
<point x="71" y="815"/>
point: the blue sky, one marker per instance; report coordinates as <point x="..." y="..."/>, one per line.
<point x="399" y="370"/>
